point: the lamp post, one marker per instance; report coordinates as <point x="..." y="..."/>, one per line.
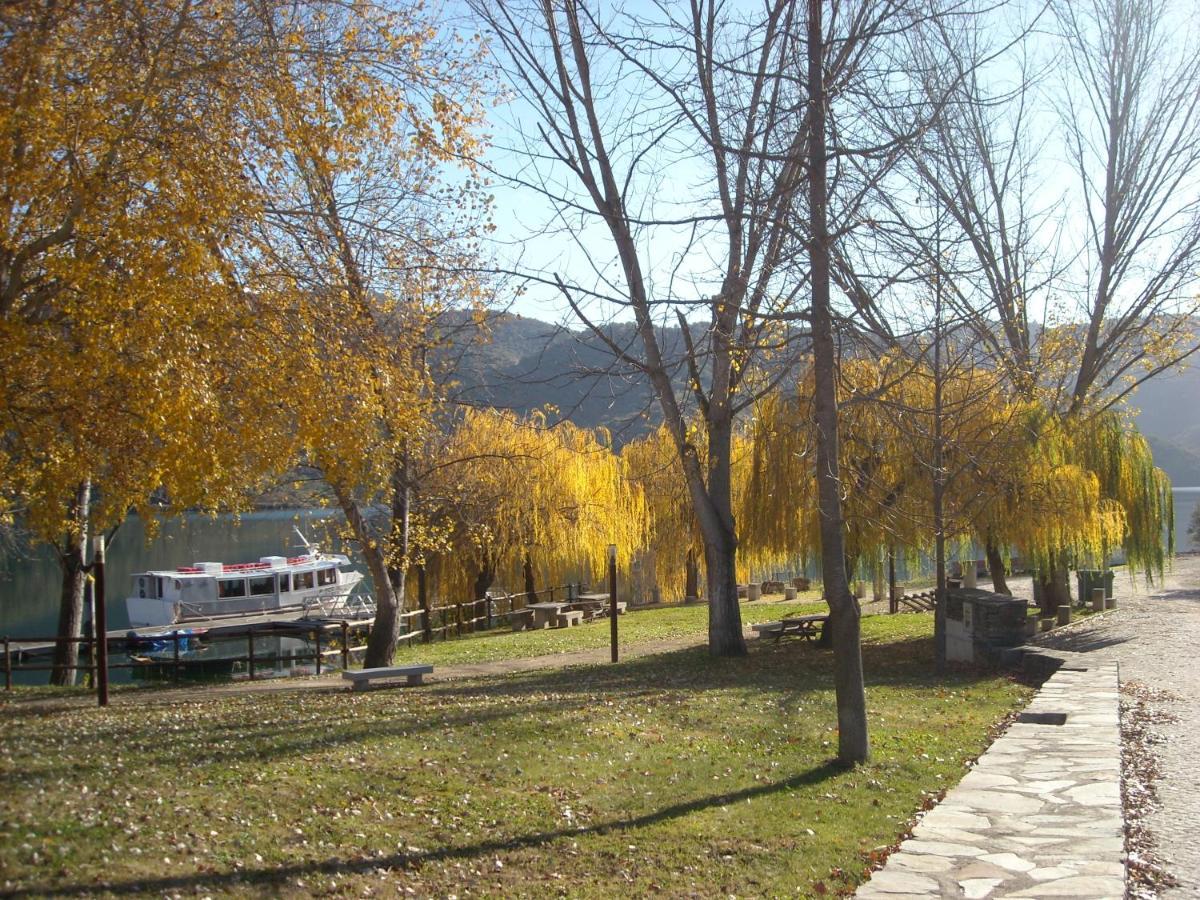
<point x="100" y="618"/>
<point x="612" y="599"/>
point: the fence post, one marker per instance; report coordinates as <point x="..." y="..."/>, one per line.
<point x="345" y="646"/>
<point x="319" y="630"/>
<point x="458" y="619"/>
<point x="7" y="665"/>
<point x="175" y="640"/>
<point x="250" y="653"/>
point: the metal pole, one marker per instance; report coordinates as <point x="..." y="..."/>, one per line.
<point x="345" y="646"/>
<point x="320" y="629"/>
<point x="175" y="640"/>
<point x="7" y="665"/>
<point x="89" y="602"/>
<point x="101" y="619"/>
<point x="893" y="604"/>
<point x="612" y="599"/>
<point x="250" y="655"/>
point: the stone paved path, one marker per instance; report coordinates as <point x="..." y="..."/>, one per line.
<point x="1038" y="816"/>
<point x="1155" y="636"/>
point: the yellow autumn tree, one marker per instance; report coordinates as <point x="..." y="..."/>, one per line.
<point x="371" y="242"/>
<point x="123" y="339"/>
<point x="512" y="490"/>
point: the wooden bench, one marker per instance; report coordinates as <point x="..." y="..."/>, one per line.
<point x="362" y="678"/>
<point x="569" y="617"/>
<point x="520" y="619"/>
<point x="763" y="629"/>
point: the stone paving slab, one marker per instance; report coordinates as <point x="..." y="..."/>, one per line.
<point x="1038" y="816"/>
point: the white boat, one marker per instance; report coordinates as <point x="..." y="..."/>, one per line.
<point x="211" y="590"/>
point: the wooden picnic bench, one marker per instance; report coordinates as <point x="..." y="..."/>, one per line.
<point x="808" y="628"/>
<point x="362" y="678"/>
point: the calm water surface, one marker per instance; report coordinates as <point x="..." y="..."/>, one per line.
<point x="30" y="585"/>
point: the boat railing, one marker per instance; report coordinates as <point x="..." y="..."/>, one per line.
<point x="341" y="606"/>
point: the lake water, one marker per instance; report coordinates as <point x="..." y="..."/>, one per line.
<point x="30" y="585"/>
<point x="1186" y="499"/>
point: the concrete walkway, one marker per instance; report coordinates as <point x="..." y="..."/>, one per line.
<point x="1038" y="816"/>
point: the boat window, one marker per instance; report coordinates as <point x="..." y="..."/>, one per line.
<point x="231" y="587"/>
<point x="160" y="587"/>
<point x="261" y="585"/>
<point x="285" y="583"/>
<point x="326" y="576"/>
<point x="302" y="581"/>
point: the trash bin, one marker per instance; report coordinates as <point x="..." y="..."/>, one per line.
<point x="1094" y="578"/>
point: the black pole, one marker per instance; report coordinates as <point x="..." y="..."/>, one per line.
<point x="612" y="599"/>
<point x="101" y="619"/>
<point x="893" y="605"/>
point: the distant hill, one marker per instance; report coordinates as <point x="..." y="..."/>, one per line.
<point x="1168" y="412"/>
<point x="526" y="364"/>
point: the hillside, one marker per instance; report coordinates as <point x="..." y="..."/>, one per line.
<point x="527" y="364"/>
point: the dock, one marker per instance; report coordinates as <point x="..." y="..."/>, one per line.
<point x="278" y="622"/>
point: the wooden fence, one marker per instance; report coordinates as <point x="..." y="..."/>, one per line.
<point x="418" y="625"/>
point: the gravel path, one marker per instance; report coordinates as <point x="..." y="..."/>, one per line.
<point x="1153" y="635"/>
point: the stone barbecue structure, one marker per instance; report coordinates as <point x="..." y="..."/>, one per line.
<point x="980" y="625"/>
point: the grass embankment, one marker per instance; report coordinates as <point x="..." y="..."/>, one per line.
<point x="642" y="626"/>
<point x="673" y="774"/>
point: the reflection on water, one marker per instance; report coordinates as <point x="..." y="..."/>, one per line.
<point x="29" y="587"/>
<point x="1186" y="499"/>
<point x="226" y="658"/>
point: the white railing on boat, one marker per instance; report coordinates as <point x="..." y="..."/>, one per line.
<point x="358" y="606"/>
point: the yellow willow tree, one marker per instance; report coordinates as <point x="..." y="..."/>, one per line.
<point x="511" y="490"/>
<point x="1072" y="495"/>
<point x="372" y="243"/>
<point x="123" y="342"/>
<point x="652" y="465"/>
<point x="881" y="478"/>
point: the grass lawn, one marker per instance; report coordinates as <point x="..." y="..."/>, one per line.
<point x="634" y="627"/>
<point x="672" y="774"/>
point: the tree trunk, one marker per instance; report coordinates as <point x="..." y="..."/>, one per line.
<point x="72" y="559"/>
<point x="692" y="576"/>
<point x="530" y="587"/>
<point x="720" y="544"/>
<point x="483" y="581"/>
<point x="844" y="611"/>
<point x="724" y="618"/>
<point x="1053" y="589"/>
<point x="381" y="645"/>
<point x="995" y="564"/>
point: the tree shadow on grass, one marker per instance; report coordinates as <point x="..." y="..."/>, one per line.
<point x="265" y="878"/>
<point x="791" y="670"/>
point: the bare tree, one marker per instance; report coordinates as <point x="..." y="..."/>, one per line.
<point x="1128" y="115"/>
<point x="1131" y="115"/>
<point x="617" y="101"/>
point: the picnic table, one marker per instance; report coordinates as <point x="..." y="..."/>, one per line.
<point x="808" y="628"/>
<point x="546" y="614"/>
